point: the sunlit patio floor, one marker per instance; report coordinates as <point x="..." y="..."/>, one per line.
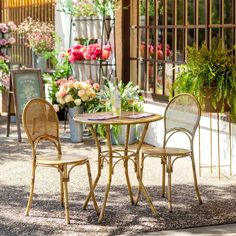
<point x="47" y="216"/>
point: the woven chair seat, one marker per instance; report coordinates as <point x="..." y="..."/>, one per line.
<point x="168" y="151"/>
<point x="55" y="159"/>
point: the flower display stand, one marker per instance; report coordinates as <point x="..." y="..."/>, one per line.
<point x="76" y="129"/>
<point x="100" y="30"/>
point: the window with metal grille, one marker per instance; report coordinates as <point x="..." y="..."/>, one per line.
<point x="161" y="31"/>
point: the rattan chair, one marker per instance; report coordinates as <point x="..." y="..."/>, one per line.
<point x="182" y="115"/>
<point x="41" y="124"/>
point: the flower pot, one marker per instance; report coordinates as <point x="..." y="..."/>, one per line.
<point x="80" y="24"/>
<point x="39" y="62"/>
<point x="120" y="140"/>
<point x="76" y="129"/>
<point x="94" y="69"/>
<point x="94" y="27"/>
<point x="79" y="71"/>
<point x="207" y="106"/>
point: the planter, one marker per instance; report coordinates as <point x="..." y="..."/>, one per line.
<point x="208" y="107"/>
<point x="233" y="109"/>
<point x="207" y="102"/>
<point x="76" y="129"/>
<point x="92" y="27"/>
<point x="80" y="24"/>
<point x="39" y="62"/>
<point x="87" y="70"/>
<point x="120" y="140"/>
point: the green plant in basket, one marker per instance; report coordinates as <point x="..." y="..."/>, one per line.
<point x="208" y="74"/>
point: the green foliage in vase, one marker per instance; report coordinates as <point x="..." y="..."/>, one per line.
<point x="208" y="71"/>
<point x="129" y="92"/>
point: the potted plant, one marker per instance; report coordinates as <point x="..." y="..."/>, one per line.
<point x="4" y="76"/>
<point x="131" y="100"/>
<point x="77" y="97"/>
<point x="40" y="37"/>
<point x="81" y="55"/>
<point x="209" y="74"/>
<point x="90" y="16"/>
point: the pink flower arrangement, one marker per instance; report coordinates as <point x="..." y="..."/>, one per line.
<point x="8" y="28"/>
<point x="91" y="52"/>
<point x="75" y="93"/>
<point x="40" y="36"/>
<point x="7" y="42"/>
<point x="4" y="76"/>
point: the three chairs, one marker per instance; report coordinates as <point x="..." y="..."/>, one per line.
<point x="182" y="115"/>
<point x="41" y="124"/>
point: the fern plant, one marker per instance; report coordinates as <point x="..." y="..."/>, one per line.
<point x="208" y="73"/>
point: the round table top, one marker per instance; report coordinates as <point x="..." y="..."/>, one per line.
<point x="126" y="118"/>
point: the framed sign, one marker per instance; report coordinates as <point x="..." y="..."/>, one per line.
<point x="26" y="85"/>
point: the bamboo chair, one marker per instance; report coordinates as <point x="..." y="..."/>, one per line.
<point x="41" y="124"/>
<point x="182" y="115"/>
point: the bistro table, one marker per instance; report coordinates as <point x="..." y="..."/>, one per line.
<point x="113" y="155"/>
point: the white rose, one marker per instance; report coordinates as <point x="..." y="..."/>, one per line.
<point x="68" y="98"/>
<point x="77" y="102"/>
<point x="61" y="101"/>
<point x="56" y="107"/>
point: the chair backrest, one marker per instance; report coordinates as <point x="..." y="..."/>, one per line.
<point x="182" y="114"/>
<point x="40" y="121"/>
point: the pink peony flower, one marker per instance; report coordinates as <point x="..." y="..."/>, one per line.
<point x="3" y="42"/>
<point x="11" y="40"/>
<point x="96" y="86"/>
<point x="56" y="107"/>
<point x="81" y="93"/>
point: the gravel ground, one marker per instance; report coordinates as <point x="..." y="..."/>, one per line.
<point x="47" y="216"/>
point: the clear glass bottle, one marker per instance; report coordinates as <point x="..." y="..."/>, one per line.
<point x="116" y="99"/>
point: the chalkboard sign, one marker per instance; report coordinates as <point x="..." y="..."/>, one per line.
<point x="27" y="84"/>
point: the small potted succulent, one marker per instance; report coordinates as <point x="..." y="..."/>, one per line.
<point x="209" y="74"/>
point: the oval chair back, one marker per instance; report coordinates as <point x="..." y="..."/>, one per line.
<point x="182" y="114"/>
<point x="40" y="121"/>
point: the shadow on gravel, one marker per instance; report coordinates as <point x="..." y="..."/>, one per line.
<point x="47" y="216"/>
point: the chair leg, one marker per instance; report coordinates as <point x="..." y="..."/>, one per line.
<point x="29" y="204"/>
<point x="62" y="189"/>
<point x="169" y="170"/>
<point x="141" y="176"/>
<point x="195" y="180"/>
<point x="163" y="162"/>
<point x="91" y="188"/>
<point x="65" y="186"/>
